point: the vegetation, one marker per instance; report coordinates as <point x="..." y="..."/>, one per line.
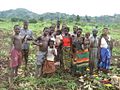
<point x="22" y="13"/>
<point x="61" y="80"/>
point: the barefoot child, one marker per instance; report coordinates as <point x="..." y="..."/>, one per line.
<point x="67" y="50"/>
<point x="93" y="63"/>
<point x="49" y="65"/>
<point x="16" y="51"/>
<point x="27" y="36"/>
<point x="58" y="45"/>
<point x="42" y="43"/>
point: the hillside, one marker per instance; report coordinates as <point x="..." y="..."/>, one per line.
<point x="18" y="13"/>
<point x="26" y="14"/>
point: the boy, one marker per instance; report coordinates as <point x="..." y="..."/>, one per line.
<point x="93" y="63"/>
<point x="16" y="51"/>
<point x="27" y="35"/>
<point x="42" y="42"/>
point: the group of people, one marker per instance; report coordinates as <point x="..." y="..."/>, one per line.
<point x="75" y="51"/>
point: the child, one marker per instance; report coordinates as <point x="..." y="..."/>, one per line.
<point x="87" y="41"/>
<point x="27" y="36"/>
<point x="42" y="43"/>
<point x="58" y="38"/>
<point x="93" y="63"/>
<point x="49" y="65"/>
<point x="58" y="45"/>
<point x="67" y="50"/>
<point x="16" y="51"/>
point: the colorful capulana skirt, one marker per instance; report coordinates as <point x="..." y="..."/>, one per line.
<point x="81" y="61"/>
<point x="105" y="56"/>
<point x="67" y="57"/>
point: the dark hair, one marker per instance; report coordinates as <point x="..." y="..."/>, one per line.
<point x="105" y="28"/>
<point x="26" y="21"/>
<point x="59" y="31"/>
<point x="50" y="41"/>
<point x="67" y="28"/>
<point x="15" y="26"/>
<point x="80" y="29"/>
<point x="45" y="28"/>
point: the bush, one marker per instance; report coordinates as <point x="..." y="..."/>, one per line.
<point x="32" y="21"/>
<point x="2" y="20"/>
<point x="14" y="19"/>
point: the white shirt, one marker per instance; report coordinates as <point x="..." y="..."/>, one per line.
<point x="104" y="43"/>
<point x="50" y="55"/>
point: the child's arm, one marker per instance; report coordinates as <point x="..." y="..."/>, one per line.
<point x="23" y="39"/>
<point x="37" y="42"/>
<point x="11" y="44"/>
<point x="54" y="52"/>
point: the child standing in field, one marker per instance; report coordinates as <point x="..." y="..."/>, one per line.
<point x="42" y="43"/>
<point x="67" y="50"/>
<point x="27" y="36"/>
<point x="93" y="63"/>
<point x="87" y="41"/>
<point x="58" y="45"/>
<point x="49" y="64"/>
<point x="16" y="51"/>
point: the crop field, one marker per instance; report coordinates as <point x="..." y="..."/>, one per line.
<point x="60" y="80"/>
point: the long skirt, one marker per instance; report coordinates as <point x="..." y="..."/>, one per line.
<point x="80" y="63"/>
<point x="48" y="67"/>
<point x="67" y="57"/>
<point x="93" y="63"/>
<point x="105" y="57"/>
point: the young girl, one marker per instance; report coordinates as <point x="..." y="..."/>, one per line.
<point x="49" y="65"/>
<point x="16" y="51"/>
<point x="67" y="50"/>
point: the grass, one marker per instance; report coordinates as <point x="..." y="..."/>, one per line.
<point x="60" y="81"/>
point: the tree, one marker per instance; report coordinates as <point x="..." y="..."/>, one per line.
<point x="14" y="19"/>
<point x="32" y="21"/>
<point x="77" y="18"/>
<point x="41" y="19"/>
<point x="87" y="18"/>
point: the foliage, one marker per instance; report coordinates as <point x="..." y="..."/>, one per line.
<point x="24" y="14"/>
<point x="61" y="80"/>
<point x="32" y="21"/>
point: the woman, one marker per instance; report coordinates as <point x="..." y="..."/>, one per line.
<point x="105" y="45"/>
<point x="81" y="57"/>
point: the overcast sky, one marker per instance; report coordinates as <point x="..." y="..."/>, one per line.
<point x="80" y="7"/>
